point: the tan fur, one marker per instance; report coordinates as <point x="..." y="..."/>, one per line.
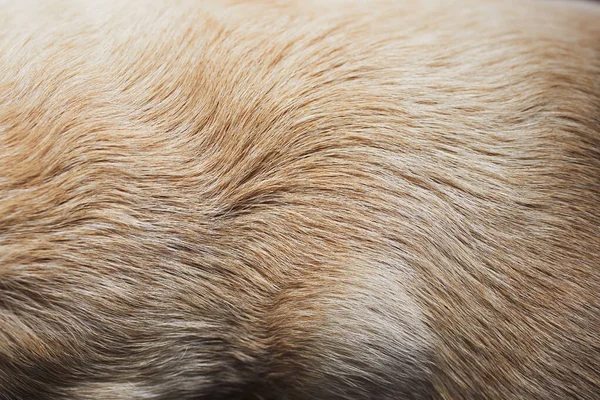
<point x="299" y="200"/>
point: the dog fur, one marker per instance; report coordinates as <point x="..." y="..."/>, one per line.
<point x="299" y="200"/>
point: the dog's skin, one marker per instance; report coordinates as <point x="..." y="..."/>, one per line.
<point x="299" y="200"/>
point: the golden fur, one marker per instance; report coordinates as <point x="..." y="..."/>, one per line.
<point x="299" y="200"/>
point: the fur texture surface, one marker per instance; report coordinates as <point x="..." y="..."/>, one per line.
<point x="288" y="200"/>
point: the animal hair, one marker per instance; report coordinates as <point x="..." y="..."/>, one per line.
<point x="299" y="199"/>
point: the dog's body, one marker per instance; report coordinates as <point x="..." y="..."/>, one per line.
<point x="291" y="200"/>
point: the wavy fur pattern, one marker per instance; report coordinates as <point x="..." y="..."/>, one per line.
<point x="299" y="200"/>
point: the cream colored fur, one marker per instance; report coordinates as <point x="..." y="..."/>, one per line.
<point x="299" y="200"/>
